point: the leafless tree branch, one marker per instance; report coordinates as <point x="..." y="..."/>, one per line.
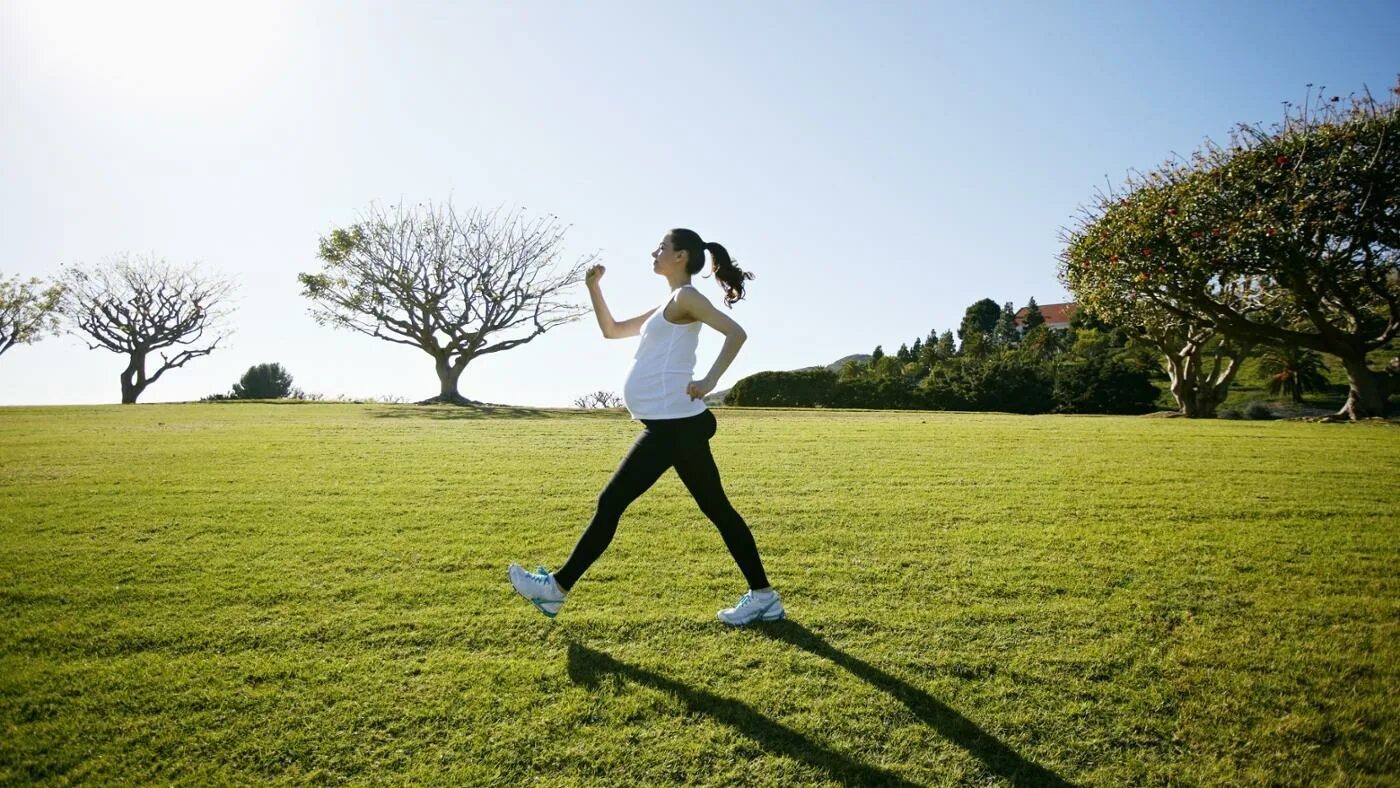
<point x="598" y="399"/>
<point x="138" y="306"/>
<point x="456" y="285"/>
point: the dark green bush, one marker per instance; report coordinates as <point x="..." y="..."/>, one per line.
<point x="806" y="388"/>
<point x="263" y="381"/>
<point x="1004" y="382"/>
<point x="1103" y="385"/>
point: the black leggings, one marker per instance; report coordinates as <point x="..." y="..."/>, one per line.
<point x="685" y="444"/>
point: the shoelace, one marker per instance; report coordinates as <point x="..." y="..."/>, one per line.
<point x="542" y="577"/>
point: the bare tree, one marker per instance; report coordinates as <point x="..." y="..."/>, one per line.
<point x="26" y="312"/>
<point x="598" y="399"/>
<point x="141" y="306"/>
<point x="444" y="283"/>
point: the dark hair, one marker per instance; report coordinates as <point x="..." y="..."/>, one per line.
<point x="730" y="276"/>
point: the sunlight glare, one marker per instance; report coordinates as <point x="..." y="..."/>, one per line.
<point x="157" y="50"/>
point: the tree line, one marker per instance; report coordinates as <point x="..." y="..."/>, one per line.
<point x="995" y="365"/>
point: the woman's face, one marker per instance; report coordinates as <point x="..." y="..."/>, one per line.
<point x="666" y="258"/>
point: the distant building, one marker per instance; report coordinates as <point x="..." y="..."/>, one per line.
<point x="1056" y="316"/>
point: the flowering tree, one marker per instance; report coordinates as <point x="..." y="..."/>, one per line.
<point x="1119" y="263"/>
<point x="1289" y="235"/>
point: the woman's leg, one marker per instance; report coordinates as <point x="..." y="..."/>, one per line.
<point x="648" y="458"/>
<point x="696" y="467"/>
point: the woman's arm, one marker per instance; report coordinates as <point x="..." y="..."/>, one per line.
<point x="630" y="327"/>
<point x="612" y="329"/>
<point x="600" y="307"/>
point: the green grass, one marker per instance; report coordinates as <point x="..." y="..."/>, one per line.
<point x="317" y="593"/>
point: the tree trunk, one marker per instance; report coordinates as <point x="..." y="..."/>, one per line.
<point x="1198" y="392"/>
<point x="133" y="379"/>
<point x="1183" y="385"/>
<point x="1195" y="397"/>
<point x="1369" y="390"/>
<point x="448" y="375"/>
<point x="1202" y="400"/>
<point x="1218" y="384"/>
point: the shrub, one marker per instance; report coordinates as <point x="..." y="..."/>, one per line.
<point x="805" y="388"/>
<point x="1103" y="385"/>
<point x="875" y="393"/>
<point x="1004" y="382"/>
<point x="264" y="381"/>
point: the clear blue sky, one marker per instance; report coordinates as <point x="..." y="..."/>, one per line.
<point x="878" y="168"/>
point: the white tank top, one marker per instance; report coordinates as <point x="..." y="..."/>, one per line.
<point x="663" y="366"/>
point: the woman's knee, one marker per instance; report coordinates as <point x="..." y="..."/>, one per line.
<point x="612" y="501"/>
<point x="720" y="511"/>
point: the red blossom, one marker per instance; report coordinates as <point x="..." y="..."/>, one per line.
<point x="1147" y="252"/>
<point x="1281" y="160"/>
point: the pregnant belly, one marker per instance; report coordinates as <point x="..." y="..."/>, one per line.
<point x="656" y="387"/>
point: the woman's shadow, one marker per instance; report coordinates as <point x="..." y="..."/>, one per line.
<point x="587" y="666"/>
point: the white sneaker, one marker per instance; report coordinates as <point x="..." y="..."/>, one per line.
<point x="540" y="588"/>
<point x="753" y="607"/>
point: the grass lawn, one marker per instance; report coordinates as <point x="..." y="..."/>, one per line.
<point x="317" y="593"/>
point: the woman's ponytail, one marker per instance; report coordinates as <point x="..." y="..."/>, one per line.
<point x="730" y="276"/>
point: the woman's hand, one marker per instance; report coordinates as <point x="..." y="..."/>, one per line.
<point x="593" y="274"/>
<point x="699" y="388"/>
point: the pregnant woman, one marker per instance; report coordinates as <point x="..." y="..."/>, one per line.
<point x="660" y="392"/>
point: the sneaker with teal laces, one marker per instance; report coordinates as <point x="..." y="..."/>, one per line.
<point x="539" y="587"/>
<point x="753" y="606"/>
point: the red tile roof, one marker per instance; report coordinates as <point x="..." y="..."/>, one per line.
<point x="1053" y="313"/>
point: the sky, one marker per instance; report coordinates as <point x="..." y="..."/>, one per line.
<point x="879" y="167"/>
